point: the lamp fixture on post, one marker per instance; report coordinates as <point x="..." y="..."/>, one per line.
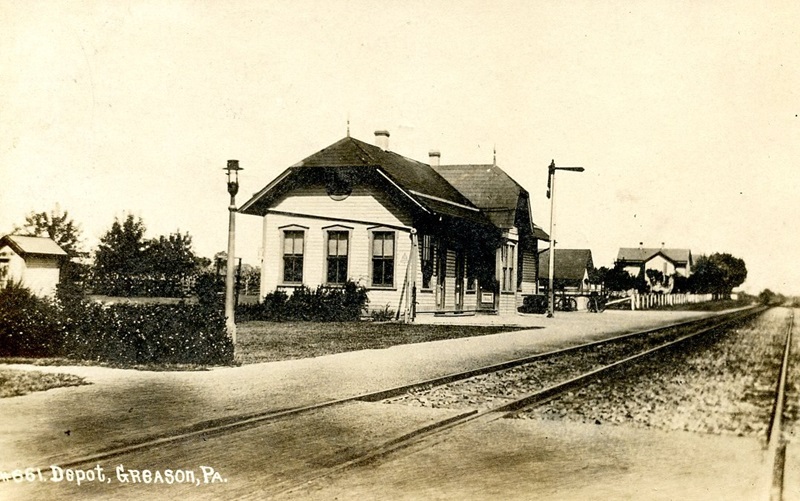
<point x="233" y="188"/>
<point x="551" y="194"/>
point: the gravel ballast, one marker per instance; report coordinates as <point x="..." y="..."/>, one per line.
<point x="722" y="382"/>
<point x="726" y="385"/>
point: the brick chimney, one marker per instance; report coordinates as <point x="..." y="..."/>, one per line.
<point x="382" y="139"/>
<point x="434" y="156"/>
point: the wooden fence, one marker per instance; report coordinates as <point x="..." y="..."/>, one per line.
<point x="648" y="301"/>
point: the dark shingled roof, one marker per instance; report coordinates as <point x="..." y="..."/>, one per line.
<point x="486" y="186"/>
<point x="640" y="255"/>
<point x="417" y="179"/>
<point x="491" y="190"/>
<point x="570" y="264"/>
<point x="409" y="174"/>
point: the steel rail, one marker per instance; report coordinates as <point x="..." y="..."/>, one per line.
<point x="235" y="423"/>
<point x="776" y="445"/>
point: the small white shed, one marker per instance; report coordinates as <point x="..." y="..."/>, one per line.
<point x="34" y="261"/>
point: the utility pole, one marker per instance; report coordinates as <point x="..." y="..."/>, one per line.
<point x="551" y="194"/>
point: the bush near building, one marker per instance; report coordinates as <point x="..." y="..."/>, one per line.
<point x="29" y="325"/>
<point x="119" y="334"/>
<point x="323" y="304"/>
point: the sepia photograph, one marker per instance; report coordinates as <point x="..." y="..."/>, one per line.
<point x="418" y="250"/>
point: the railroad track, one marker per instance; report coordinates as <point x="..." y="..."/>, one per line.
<point x="776" y="442"/>
<point x="480" y="414"/>
<point x="606" y="356"/>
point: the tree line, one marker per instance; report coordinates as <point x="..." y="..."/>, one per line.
<point x="718" y="273"/>
<point x="127" y="263"/>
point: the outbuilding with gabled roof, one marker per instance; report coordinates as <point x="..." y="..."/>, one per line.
<point x="35" y="262"/>
<point x="571" y="269"/>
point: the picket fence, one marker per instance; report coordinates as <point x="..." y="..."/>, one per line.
<point x="647" y="301"/>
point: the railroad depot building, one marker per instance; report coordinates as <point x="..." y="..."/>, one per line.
<point x="33" y="261"/>
<point x="424" y="238"/>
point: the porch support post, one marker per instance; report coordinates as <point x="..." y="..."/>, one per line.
<point x="411" y="278"/>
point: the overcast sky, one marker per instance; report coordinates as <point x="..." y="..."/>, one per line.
<point x="684" y="114"/>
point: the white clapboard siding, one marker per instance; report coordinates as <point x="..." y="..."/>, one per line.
<point x="528" y="266"/>
<point x="363" y="204"/>
<point x="359" y="264"/>
<point x="41" y="275"/>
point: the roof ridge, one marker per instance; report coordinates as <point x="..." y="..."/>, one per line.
<point x="358" y="143"/>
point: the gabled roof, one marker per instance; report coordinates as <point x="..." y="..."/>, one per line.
<point x="570" y="264"/>
<point x="25" y="245"/>
<point x="493" y="191"/>
<point x="416" y="179"/>
<point x="641" y="255"/>
<point x="410" y="174"/>
<point x="486" y="186"/>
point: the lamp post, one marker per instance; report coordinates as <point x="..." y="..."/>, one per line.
<point x="551" y="194"/>
<point x="233" y="188"/>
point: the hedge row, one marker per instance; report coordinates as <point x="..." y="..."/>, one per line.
<point x="323" y="304"/>
<point x="119" y="333"/>
<point x="152" y="333"/>
<point x="139" y="286"/>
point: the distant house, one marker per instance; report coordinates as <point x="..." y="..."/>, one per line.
<point x="424" y="238"/>
<point x="570" y="271"/>
<point x="637" y="260"/>
<point x="33" y="261"/>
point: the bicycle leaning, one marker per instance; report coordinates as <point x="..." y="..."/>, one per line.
<point x="565" y="303"/>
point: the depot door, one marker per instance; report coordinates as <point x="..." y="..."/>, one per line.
<point x="459" y="285"/>
<point x="441" y="274"/>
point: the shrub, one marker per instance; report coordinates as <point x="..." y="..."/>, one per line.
<point x="209" y="288"/>
<point x="126" y="285"/>
<point x="272" y="308"/>
<point x="29" y="325"/>
<point x="385" y="314"/>
<point x="323" y="304"/>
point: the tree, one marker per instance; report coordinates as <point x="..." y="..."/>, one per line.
<point x="119" y="259"/>
<point x="56" y="225"/>
<point x="121" y="249"/>
<point x="171" y="256"/>
<point x="769" y="298"/>
<point x="250" y="280"/>
<point x="597" y="275"/>
<point x="618" y="279"/>
<point x="127" y="264"/>
<point x="718" y="273"/>
<point x="732" y="270"/>
<point x="680" y="283"/>
<point x="655" y="277"/>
